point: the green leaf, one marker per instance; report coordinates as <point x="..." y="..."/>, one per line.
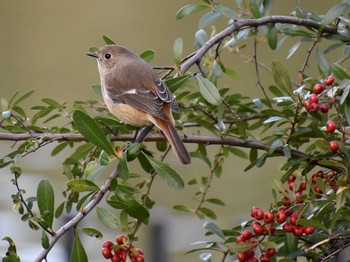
<point x="148" y="55"/>
<point x="215" y="201"/>
<point x="239" y="247"/>
<point x="169" y="175"/>
<point x="51" y="102"/>
<point x="177" y="50"/>
<point x="213" y="228"/>
<point x="189" y="9"/>
<point x="339" y="72"/>
<point x="107" y="217"/>
<point x="97" y="89"/>
<point x="272" y="37"/>
<point x="334" y="13"/>
<point x="46" y="201"/>
<point x="207" y="212"/>
<point x="201" y="37"/>
<point x="225" y="11"/>
<point x="341" y="197"/>
<point x="182" y="208"/>
<point x="107" y="40"/>
<point x="176" y="82"/>
<point x="22" y="98"/>
<point x="45" y="242"/>
<point x="290" y="243"/>
<point x="322" y="61"/>
<point x="254" y="8"/>
<point x="91" y="131"/>
<point x="78" y="253"/>
<point x="208" y="18"/>
<point x="92" y="232"/>
<point x="293" y="49"/>
<point x="138" y="211"/>
<point x="123" y="170"/>
<point x="59" y="210"/>
<point x="209" y="91"/>
<point x="281" y="77"/>
<point x="312" y="222"/>
<point x="82" y="185"/>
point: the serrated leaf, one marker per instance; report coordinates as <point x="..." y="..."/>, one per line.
<point x="213" y="228"/>
<point x="209" y="91"/>
<point x="169" y="175"/>
<point x="177" y="50"/>
<point x="335" y="12"/>
<point x="78" y="253"/>
<point x="148" y="55"/>
<point x="46" y="201"/>
<point x="107" y="40"/>
<point x="91" y="131"/>
<point x="107" y="217"/>
<point x="281" y="77"/>
<point x="189" y="9"/>
<point x="92" y="232"/>
<point x="82" y="185"/>
<point x="272" y="37"/>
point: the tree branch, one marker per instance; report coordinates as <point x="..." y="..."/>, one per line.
<point x="74" y="221"/>
<point x="247" y="23"/>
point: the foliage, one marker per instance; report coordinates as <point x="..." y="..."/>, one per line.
<point x="288" y="120"/>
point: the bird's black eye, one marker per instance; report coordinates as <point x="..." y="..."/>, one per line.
<point x="108" y="56"/>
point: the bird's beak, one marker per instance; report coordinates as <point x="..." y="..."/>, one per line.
<point x="93" y="54"/>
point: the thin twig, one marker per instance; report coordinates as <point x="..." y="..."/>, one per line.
<point x="306" y="61"/>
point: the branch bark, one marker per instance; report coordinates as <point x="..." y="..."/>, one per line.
<point x="248" y="23"/>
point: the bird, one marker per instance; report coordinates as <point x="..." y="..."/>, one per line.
<point x="136" y="95"/>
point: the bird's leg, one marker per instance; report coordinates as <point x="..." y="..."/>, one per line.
<point x="143" y="133"/>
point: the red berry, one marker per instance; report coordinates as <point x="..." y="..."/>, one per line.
<point x="331" y="126"/>
<point x="271" y="251"/>
<point x="258" y="229"/>
<point x="318" y="89"/>
<point x="253" y="259"/>
<point x="259" y="214"/>
<point x="286" y="201"/>
<point x="298" y="231"/>
<point x="308" y="230"/>
<point x="298" y="196"/>
<point x="247" y="234"/>
<point x="324" y="108"/>
<point x="329" y="80"/>
<point x="118" y="251"/>
<point x="252" y="211"/>
<point x="334" y="146"/>
<point x="313" y="99"/>
<point x="291" y="178"/>
<point x="120" y="239"/>
<point x="241" y="256"/>
<point x="270" y="229"/>
<point x="294" y="218"/>
<point x="317" y="189"/>
<point x="314" y="107"/>
<point x="240" y="239"/>
<point x="116" y="258"/>
<point x="269" y="217"/>
<point x="106" y="252"/>
<point x="291" y="186"/>
<point x="264" y="257"/>
<point x="139" y="259"/>
<point x="281" y="216"/>
<point x="287" y="227"/>
<point x="107" y="244"/>
<point x="302" y="187"/>
<point x="307" y="105"/>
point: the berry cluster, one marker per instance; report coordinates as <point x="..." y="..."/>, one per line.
<point x="121" y="251"/>
<point x="312" y="104"/>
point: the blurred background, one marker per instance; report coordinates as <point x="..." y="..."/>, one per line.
<point x="43" y="45"/>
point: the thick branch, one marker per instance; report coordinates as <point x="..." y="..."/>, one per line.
<point x="208" y="140"/>
<point x="247" y="23"/>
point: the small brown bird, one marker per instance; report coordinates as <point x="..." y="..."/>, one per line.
<point x="136" y="95"/>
